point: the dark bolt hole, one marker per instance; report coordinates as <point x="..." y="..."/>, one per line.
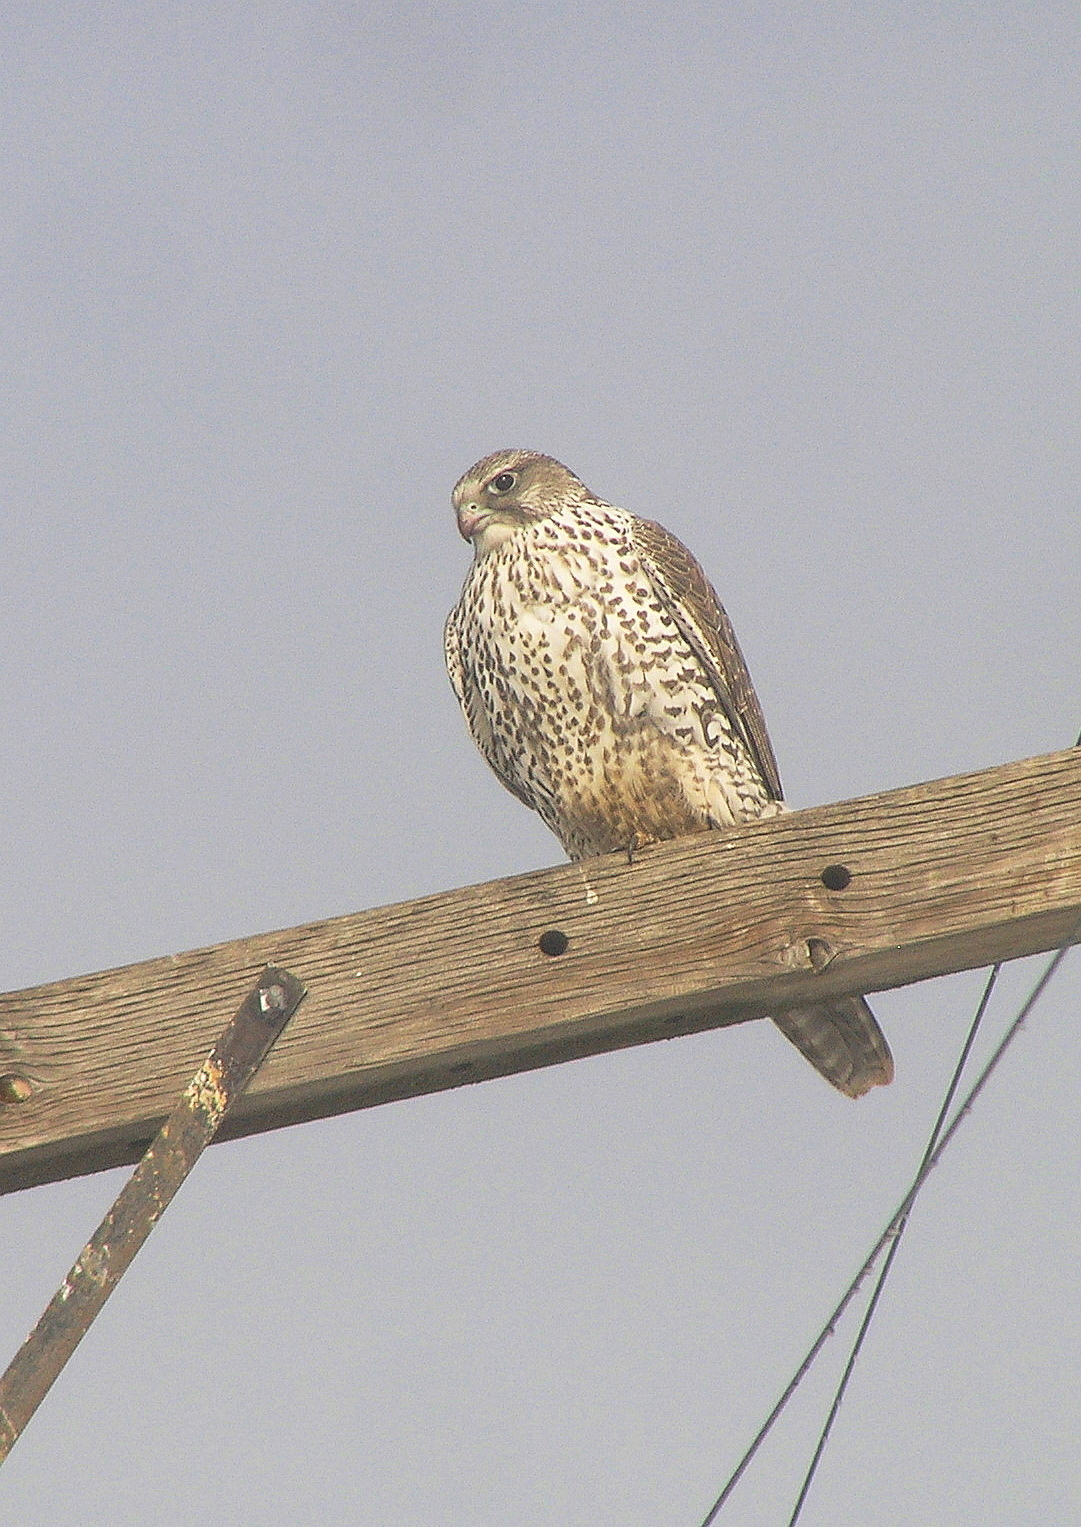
<point x="835" y="877"/>
<point x="553" y="942"/>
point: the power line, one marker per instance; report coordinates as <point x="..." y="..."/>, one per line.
<point x="896" y="1223"/>
<point x="893" y="1232"/>
<point x="951" y="1092"/>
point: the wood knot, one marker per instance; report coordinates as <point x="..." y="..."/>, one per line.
<point x="15" y="1088"/>
<point x="820" y="953"/>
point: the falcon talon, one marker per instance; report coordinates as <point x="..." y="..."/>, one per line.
<point x="602" y="680"/>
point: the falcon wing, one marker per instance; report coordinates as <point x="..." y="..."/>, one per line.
<point x="690" y="599"/>
<point x="453" y="654"/>
<point x="480" y="728"/>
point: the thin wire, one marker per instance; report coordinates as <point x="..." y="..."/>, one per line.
<point x="951" y="1092"/>
<point x="897" y="1220"/>
<point x="828" y="1328"/>
<point x="895" y="1228"/>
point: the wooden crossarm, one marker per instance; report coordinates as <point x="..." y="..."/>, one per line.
<point x="458" y="987"/>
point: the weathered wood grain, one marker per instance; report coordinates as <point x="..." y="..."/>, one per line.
<point x="455" y="988"/>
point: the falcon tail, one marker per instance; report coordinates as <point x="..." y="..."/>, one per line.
<point x="842" y="1041"/>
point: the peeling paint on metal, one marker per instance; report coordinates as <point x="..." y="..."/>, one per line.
<point x="207" y="1092"/>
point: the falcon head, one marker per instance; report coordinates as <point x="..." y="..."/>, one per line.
<point x="511" y="489"/>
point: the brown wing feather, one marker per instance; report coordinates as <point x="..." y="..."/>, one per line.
<point x="691" y="600"/>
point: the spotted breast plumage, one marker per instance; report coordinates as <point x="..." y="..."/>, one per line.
<point x="602" y="680"/>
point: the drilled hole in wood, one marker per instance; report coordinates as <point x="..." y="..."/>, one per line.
<point x="836" y="877"/>
<point x="553" y="942"/>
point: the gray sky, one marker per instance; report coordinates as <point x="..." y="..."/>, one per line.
<point x="801" y="283"/>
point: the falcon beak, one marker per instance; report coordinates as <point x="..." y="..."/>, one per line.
<point x="470" y="519"/>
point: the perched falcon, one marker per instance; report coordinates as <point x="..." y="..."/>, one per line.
<point x="602" y="680"/>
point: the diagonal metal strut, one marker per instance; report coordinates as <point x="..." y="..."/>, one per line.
<point x="171" y="1155"/>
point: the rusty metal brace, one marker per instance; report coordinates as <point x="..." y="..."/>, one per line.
<point x="172" y="1153"/>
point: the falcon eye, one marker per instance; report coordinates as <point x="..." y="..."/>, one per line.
<point x="504" y="482"/>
